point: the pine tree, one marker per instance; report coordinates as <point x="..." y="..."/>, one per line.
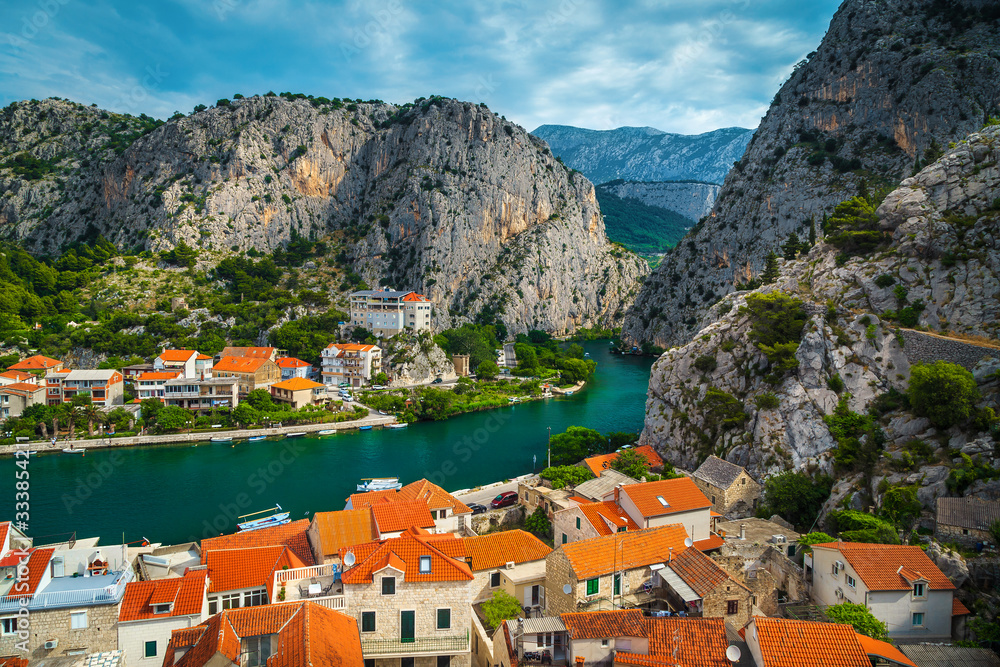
<point x="812" y="232"/>
<point x="771" y="272"/>
<point x="792" y="246"/>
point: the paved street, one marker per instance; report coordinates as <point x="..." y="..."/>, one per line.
<point x="486" y="494"/>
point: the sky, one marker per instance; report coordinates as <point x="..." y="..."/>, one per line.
<point x="686" y="66"/>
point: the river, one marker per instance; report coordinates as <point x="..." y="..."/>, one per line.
<point x="176" y="493"/>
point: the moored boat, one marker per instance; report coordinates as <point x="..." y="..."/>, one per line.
<point x="222" y="438"/>
<point x="327" y="431"/>
<point x="256" y="438"/>
<point x="366" y="427"/>
<point x="278" y="518"/>
<point x="73" y="450"/>
<point x="397" y="425"/>
<point x="380" y="484"/>
<point x="296" y="434"/>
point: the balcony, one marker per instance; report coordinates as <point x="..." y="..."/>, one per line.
<point x="454" y="644"/>
<point x="75" y="592"/>
<point x="317" y="583"/>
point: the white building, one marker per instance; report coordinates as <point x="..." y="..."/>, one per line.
<point x="388" y="312"/>
<point x="293" y="368"/>
<point x="351" y="363"/>
<point x="151" y="610"/>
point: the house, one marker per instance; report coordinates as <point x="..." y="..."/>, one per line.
<point x="682" y="641"/>
<point x="153" y="384"/>
<point x="133" y="371"/>
<point x="202" y="396"/>
<point x="696" y="584"/>
<point x="510" y="560"/>
<point x="765" y="556"/>
<point x="389" y="312"/>
<point x="329" y="532"/>
<point x="289" y="635"/>
<point x="350" y="363"/>
<point x="730" y="487"/>
<point x="292" y="535"/>
<point x="585" y="521"/>
<point x="394" y="517"/>
<point x="781" y="642"/>
<point x="670" y="501"/>
<point x="297" y="392"/>
<point x="595" y="636"/>
<point x="252" y="372"/>
<point x="269" y="353"/>
<point x="603" y="486"/>
<point x="411" y="600"/>
<point x="450" y="515"/>
<point x="17" y="377"/>
<point x="179" y="361"/>
<point x="966" y="520"/>
<point x="37" y="363"/>
<point x="532" y="494"/>
<point x="106" y="387"/>
<point x="608" y="571"/>
<point x="15" y="398"/>
<point x="598" y="464"/>
<point x="242" y="577"/>
<point x="901" y="586"/>
<point x="53" y="385"/>
<point x="151" y="610"/>
<point x="293" y="368"/>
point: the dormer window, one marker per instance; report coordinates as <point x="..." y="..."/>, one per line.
<point x="919" y="590"/>
<point x="425" y="565"/>
<point x="388" y="585"/>
<point x="663" y="501"/>
<point x="162" y="608"/>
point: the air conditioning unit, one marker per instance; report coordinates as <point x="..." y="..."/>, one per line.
<point x="839" y="593"/>
<point x="779" y="539"/>
<point x="510" y="565"/>
<point x="51" y="644"/>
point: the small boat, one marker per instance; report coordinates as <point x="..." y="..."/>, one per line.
<point x="71" y="450"/>
<point x="366" y="427"/>
<point x="327" y="431"/>
<point x="296" y="434"/>
<point x="567" y="393"/>
<point x="395" y="426"/>
<point x="256" y="438"/>
<point x="383" y="412"/>
<point x="380" y="484"/>
<point x="222" y="438"/>
<point x="278" y="518"/>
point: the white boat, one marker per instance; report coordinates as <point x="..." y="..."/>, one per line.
<point x="395" y="426"/>
<point x="256" y="438"/>
<point x="327" y="431"/>
<point x="71" y="450"/>
<point x="222" y="438"/>
<point x="380" y="484"/>
<point x="296" y="434"/>
<point x="567" y="393"/>
<point x="278" y="518"/>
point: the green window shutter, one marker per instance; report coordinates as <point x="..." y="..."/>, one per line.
<point x="593" y="586"/>
<point x="367" y="621"/>
<point x="444" y="619"/>
<point x="150" y="649"/>
<point x="564" y="538"/>
<point x="578" y="523"/>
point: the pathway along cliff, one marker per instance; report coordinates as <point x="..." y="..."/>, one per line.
<point x="176" y="493"/>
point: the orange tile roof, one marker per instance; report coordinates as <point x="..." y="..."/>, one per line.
<point x="599" y="464"/>
<point x="35" y="363"/>
<point x="700" y="572"/>
<point x="38" y="563"/>
<point x="413" y="296"/>
<point x="202" y="357"/>
<point x="709" y="543"/>
<point x="882" y="566"/>
<point x="625" y="551"/>
<point x="346" y="528"/>
<point x="601" y="514"/>
<point x="435" y="497"/>
<point x="233" y="569"/>
<point x="508" y="641"/>
<point x="4" y="529"/>
<point x="874" y="647"/>
<point x="22" y="388"/>
<point x="700" y="642"/>
<point x="291" y="535"/>
<point x="157" y="375"/>
<point x="391" y="517"/>
<point x="13" y="661"/>
<point x="177" y="355"/>
<point x="369" y="498"/>
<point x="187" y="594"/>
<point x="308" y="639"/>
<point x="17" y="375"/>
<point x="407" y="550"/>
<point x="959" y="609"/>
<point x="788" y="643"/>
<point x="239" y="364"/>
<point x="290" y="362"/>
<point x="296" y="384"/>
<point x="488" y="552"/>
<point x="351" y="347"/>
<point x="605" y="624"/>
<point x="680" y="494"/>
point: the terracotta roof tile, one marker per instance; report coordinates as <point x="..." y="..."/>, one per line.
<point x="351" y="347"/>
<point x="879" y="565"/>
<point x="38" y="563"/>
<point x="346" y="528"/>
<point x="488" y="552"/>
<point x="391" y="517"/>
<point x="232" y="569"/>
<point x="435" y="497"/>
<point x="709" y="543"/>
<point x="296" y="384"/>
<point x="788" y="643"/>
<point x="251" y="352"/>
<point x="318" y="636"/>
<point x="290" y="362"/>
<point x="641" y="548"/>
<point x="605" y="624"/>
<point x="699" y="572"/>
<point x="959" y="609"/>
<point x="187" y="594"/>
<point x="599" y="464"/>
<point x="876" y="648"/>
<point x="35" y="363"/>
<point x="17" y="376"/>
<point x="13" y="661"/>
<point x="202" y="357"/>
<point x="369" y="498"/>
<point x="25" y="388"/>
<point x="601" y="514"/>
<point x="413" y="296"/>
<point x="177" y="355"/>
<point x="292" y="535"/>
<point x="679" y="495"/>
<point x="157" y="375"/>
<point x="407" y="549"/>
<point x="692" y="642"/>
<point x="239" y="364"/>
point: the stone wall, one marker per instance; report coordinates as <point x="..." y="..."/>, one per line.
<point x="564" y="523"/>
<point x="101" y="633"/>
<point x="506" y="517"/>
<point x="557" y="574"/>
<point x="741" y="497"/>
<point x="966" y="537"/>
<point x="716" y="603"/>
<point x="922" y="347"/>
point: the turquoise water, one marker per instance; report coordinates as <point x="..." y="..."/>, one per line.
<point x="174" y="493"/>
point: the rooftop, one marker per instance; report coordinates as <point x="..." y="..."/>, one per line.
<point x="605" y="624"/>
<point x="435" y="497"/>
<point x="290" y="362"/>
<point x="292" y="535"/>
<point x="22" y="388"/>
<point x="757" y="530"/>
<point x="391" y="294"/>
<point x="699" y="572"/>
<point x="968" y="512"/>
<point x="186" y="594"/>
<point x="177" y="355"/>
<point x="233" y="569"/>
<point x="718" y="472"/>
<point x="296" y="384"/>
<point x="666" y="496"/>
<point x="882" y="566"/>
<point x="90" y="375"/>
<point x="157" y="375"/>
<point x="683" y="641"/>
<point x="938" y="655"/>
<point x="240" y="364"/>
<point x="607" y="517"/>
<point x="624" y="551"/>
<point x="251" y="352"/>
<point x="598" y="464"/>
<point x="885" y="650"/>
<point x="345" y="528"/>
<point x="35" y="363"/>
<point x="394" y="516"/>
<point x="603" y="485"/>
<point x="492" y="551"/>
<point x="403" y="553"/>
<point x="788" y="643"/>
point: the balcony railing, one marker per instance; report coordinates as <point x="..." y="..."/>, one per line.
<point x="455" y="644"/>
<point x="111" y="594"/>
<point x="297" y="573"/>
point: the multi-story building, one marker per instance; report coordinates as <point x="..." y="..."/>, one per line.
<point x="252" y="372"/>
<point x="202" y="395"/>
<point x="297" y="392"/>
<point x="293" y="368"/>
<point x="242" y="577"/>
<point x="586" y="521"/>
<point x="389" y="312"/>
<point x="188" y="363"/>
<point x="512" y="561"/>
<point x="269" y="353"/>
<point x="153" y="384"/>
<point x="152" y="610"/>
<point x="106" y="387"/>
<point x="16" y="377"/>
<point x="350" y="363"/>
<point x="671" y="501"/>
<point x="14" y="398"/>
<point x="53" y="385"/>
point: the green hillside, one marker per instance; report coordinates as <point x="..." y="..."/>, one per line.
<point x="642" y="228"/>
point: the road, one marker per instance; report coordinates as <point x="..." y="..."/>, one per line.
<point x="483" y="495"/>
<point x="509" y="358"/>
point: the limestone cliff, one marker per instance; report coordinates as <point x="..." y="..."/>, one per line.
<point x="691" y="199"/>
<point x="891" y="84"/>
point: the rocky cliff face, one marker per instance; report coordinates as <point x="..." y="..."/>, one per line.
<point x="944" y="256"/>
<point x="645" y="153"/>
<point x="892" y="83"/>
<point x="443" y="197"/>
<point x="690" y="199"/>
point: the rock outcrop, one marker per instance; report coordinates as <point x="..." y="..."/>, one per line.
<point x="891" y="85"/>
<point x="691" y="199"/>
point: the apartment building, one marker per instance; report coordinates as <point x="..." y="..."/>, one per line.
<point x="389" y="312"/>
<point x="106" y="387"/>
<point x="153" y="384"/>
<point x="14" y="398"/>
<point x="297" y="392"/>
<point x="252" y="372"/>
<point x="350" y="363"/>
<point x="202" y="395"/>
<point x="293" y="368"/>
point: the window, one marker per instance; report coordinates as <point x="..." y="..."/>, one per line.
<point x="230" y="600"/>
<point x="8" y="626"/>
<point x="494" y="579"/>
<point x="213" y="606"/>
<point x="593" y="586"/>
<point x="406" y="662"/>
<point x="367" y="621"/>
<point x="622" y="529"/>
<point x="370" y="662"/>
<point x="713" y="500"/>
<point x="78" y="620"/>
<point x="851" y="582"/>
<point x="918" y="590"/>
<point x="434" y="514"/>
<point x="256" y="651"/>
<point x="149" y="649"/>
<point x="444" y="661"/>
<point x="618" y="583"/>
<point x="425" y="565"/>
<point x="836" y="568"/>
<point x="663" y="501"/>
<point x="732" y="607"/>
<point x="388" y="585"/>
<point x="255" y="598"/>
<point x="604" y="643"/>
<point x="564" y="538"/>
<point x="918" y="618"/>
<point x="444" y="619"/>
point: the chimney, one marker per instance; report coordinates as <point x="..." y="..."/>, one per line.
<point x="743" y="531"/>
<point x="579" y="661"/>
<point x="618" y="490"/>
<point x="670" y="553"/>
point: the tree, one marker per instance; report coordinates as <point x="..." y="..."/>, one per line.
<point x="901" y="506"/>
<point x="561" y="476"/>
<point x="488" y="370"/>
<point x="435" y="403"/>
<point x="632" y="463"/>
<point x="501" y="607"/>
<point x="150" y="409"/>
<point x="771" y="271"/>
<point x="860" y="617"/>
<point x="527" y="359"/>
<point x="618" y="439"/>
<point x="809" y="539"/>
<point x="795" y="496"/>
<point x="792" y="246"/>
<point x="577" y="370"/>
<point x="245" y="413"/>
<point x="173" y="418"/>
<point x="576" y="444"/>
<point x="855" y="526"/>
<point x="943" y="392"/>
<point x="260" y="399"/>
<point x="92" y="414"/>
<point x="381" y="378"/>
<point x="538" y="523"/>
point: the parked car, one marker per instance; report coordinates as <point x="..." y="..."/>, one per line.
<point x="505" y="499"/>
<point x="437" y="381"/>
<point x="477" y="508"/>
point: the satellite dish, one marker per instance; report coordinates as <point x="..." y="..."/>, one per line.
<point x="349" y="559"/>
<point x="733" y="654"/>
<point x="567" y="589"/>
<point x="688" y="542"/>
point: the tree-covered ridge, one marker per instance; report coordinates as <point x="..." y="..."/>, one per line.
<point x="640" y="227"/>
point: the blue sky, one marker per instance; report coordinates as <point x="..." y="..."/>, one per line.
<point x="684" y="66"/>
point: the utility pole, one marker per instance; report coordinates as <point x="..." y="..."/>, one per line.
<point x="550" y="445"/>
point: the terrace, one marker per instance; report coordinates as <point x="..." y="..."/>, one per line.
<point x="317" y="583"/>
<point x="75" y="592"/>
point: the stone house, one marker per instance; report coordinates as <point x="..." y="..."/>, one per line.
<point x="603" y="486"/>
<point x="696" y="584"/>
<point x="448" y="514"/>
<point x="671" y="501"/>
<point x="512" y="561"/>
<point x="589" y="520"/>
<point x="966" y="520"/>
<point x="535" y="494"/>
<point x="252" y="372"/>
<point x="412" y="599"/>
<point x="609" y="571"/>
<point x="296" y="392"/>
<point x="269" y="353"/>
<point x="730" y="487"/>
<point x="152" y="610"/>
<point x="596" y="636"/>
<point x="329" y="532"/>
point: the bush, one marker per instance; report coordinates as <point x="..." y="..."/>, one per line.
<point x="777" y="321"/>
<point x="632" y="463"/>
<point x="795" y="496"/>
<point x="766" y="401"/>
<point x="562" y="476"/>
<point x="835" y="383"/>
<point x="809" y="539"/>
<point x="538" y="523"/>
<point x="854" y="227"/>
<point x="501" y="607"/>
<point x="576" y="444"/>
<point x="943" y="392"/>
<point x="706" y="363"/>
<point x="855" y="526"/>
<point x="860" y="617"/>
<point x="884" y="280"/>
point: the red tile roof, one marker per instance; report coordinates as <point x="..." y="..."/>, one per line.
<point x="488" y="552"/>
<point x="605" y="624"/>
<point x="295" y="384"/>
<point x="13" y="661"/>
<point x="23" y="388"/>
<point x="17" y="376"/>
<point x="709" y="543"/>
<point x="625" y="551"/>
<point x="318" y="636"/>
<point x="346" y="528"/>
<point x="959" y="609"/>
<point x="369" y="498"/>
<point x="679" y="495"/>
<point x="4" y="529"/>
<point x="253" y="352"/>
<point x="876" y="648"/>
<point x="392" y="517"/>
<point x="599" y="464"/>
<point x="292" y="535"/>
<point x="413" y="296"/>
<point x="435" y="497"/>
<point x="291" y="362"/>
<point x="239" y="364"/>
<point x="788" y="643"/>
<point x="351" y="347"/>
<point x="233" y="569"/>
<point x="600" y="515"/>
<point x="157" y="375"/>
<point x="405" y="552"/>
<point x="692" y="642"/>
<point x="202" y="357"/>
<point x="187" y="594"/>
<point x="177" y="355"/>
<point x="35" y="363"/>
<point x="882" y="566"/>
<point x="700" y="572"/>
<point x="38" y="564"/>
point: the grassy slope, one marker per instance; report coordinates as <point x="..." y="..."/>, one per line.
<point x="642" y="228"/>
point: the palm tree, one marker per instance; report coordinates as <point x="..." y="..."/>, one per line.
<point x="55" y="427"/>
<point x="72" y="413"/>
<point x="91" y="413"/>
